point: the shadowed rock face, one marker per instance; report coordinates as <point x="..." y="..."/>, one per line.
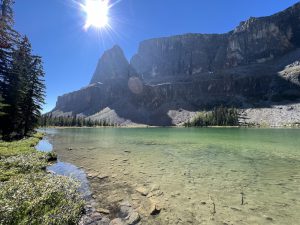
<point x="257" y="62"/>
<point x="112" y="65"/>
<point x="180" y="56"/>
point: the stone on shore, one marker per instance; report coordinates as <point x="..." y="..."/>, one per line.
<point x="134" y="218"/>
<point x="116" y="221"/>
<point x="102" y="210"/>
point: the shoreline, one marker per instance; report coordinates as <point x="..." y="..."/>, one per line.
<point x="286" y="126"/>
<point x="50" y="199"/>
<point x="103" y="213"/>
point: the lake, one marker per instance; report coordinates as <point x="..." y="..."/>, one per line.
<point x="192" y="176"/>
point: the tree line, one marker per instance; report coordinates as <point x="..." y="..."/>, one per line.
<point x="22" y="88"/>
<point x="72" y="121"/>
<point x="219" y="116"/>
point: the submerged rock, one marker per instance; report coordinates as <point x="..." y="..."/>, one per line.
<point x="155" y="209"/>
<point x="142" y="190"/>
<point x="92" y="174"/>
<point x="102" y="176"/>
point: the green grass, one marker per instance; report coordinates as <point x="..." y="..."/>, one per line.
<point x="28" y="195"/>
<point x="19" y="147"/>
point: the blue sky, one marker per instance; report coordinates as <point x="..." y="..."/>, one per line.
<point x="70" y="53"/>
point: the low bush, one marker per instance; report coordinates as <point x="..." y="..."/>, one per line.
<point x="40" y="199"/>
<point x="28" y="195"/>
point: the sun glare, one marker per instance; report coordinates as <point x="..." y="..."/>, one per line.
<point x="96" y="13"/>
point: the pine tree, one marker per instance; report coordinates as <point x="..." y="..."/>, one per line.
<point x="2" y="107"/>
<point x="9" y="39"/>
<point x="33" y="87"/>
<point x="26" y="91"/>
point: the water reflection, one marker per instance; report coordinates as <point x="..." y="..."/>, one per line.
<point x="44" y="146"/>
<point x="65" y="169"/>
<point x="69" y="170"/>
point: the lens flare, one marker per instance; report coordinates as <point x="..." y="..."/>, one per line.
<point x="96" y="13"/>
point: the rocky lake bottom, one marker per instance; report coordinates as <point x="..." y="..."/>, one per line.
<point x="183" y="176"/>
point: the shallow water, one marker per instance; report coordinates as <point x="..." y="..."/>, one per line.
<point x="206" y="176"/>
<point x="44" y="146"/>
<point x="66" y="169"/>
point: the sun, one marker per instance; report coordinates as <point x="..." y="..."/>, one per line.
<point x="96" y="13"/>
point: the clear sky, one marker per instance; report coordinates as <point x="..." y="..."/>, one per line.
<point x="70" y="53"/>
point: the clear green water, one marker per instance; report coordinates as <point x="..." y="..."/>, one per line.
<point x="197" y="170"/>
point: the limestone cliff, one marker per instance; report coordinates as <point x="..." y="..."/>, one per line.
<point x="112" y="65"/>
<point x="256" y="40"/>
<point x="254" y="65"/>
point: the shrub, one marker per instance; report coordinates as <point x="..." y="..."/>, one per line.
<point x="40" y="199"/>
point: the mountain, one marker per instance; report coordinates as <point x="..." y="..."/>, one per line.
<point x="112" y="65"/>
<point x="257" y="65"/>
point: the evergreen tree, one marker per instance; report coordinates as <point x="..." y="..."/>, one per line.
<point x="8" y="42"/>
<point x="25" y="92"/>
<point x="219" y="116"/>
<point x="8" y="39"/>
<point x="48" y="120"/>
<point x="33" y="87"/>
<point x="2" y="107"/>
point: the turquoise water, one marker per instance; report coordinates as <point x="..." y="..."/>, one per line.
<point x="207" y="176"/>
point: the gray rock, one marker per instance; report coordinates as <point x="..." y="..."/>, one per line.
<point x="96" y="216"/>
<point x="134" y="218"/>
<point x="116" y="221"/>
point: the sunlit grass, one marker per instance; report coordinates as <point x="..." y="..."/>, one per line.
<point x="28" y="195"/>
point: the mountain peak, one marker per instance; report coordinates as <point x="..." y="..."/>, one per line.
<point x="112" y="65"/>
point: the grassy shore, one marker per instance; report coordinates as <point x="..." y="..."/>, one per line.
<point x="30" y="195"/>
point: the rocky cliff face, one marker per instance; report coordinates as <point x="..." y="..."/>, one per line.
<point x="256" y="64"/>
<point x="180" y="56"/>
<point x="256" y="40"/>
<point x="112" y="65"/>
<point x="262" y="39"/>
